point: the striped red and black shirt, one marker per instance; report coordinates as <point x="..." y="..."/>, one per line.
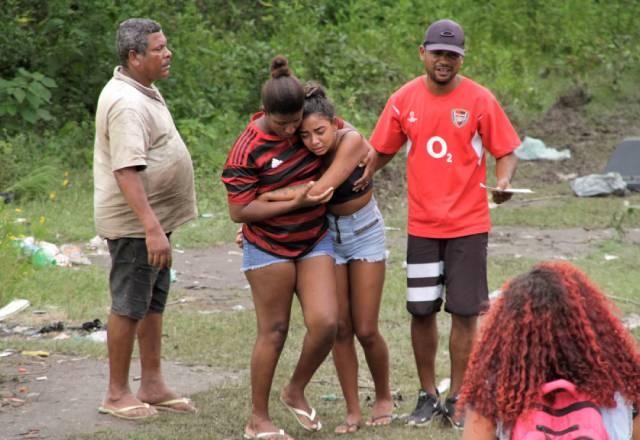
<point x="258" y="163"/>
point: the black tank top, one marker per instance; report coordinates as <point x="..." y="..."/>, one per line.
<point x="345" y="191"/>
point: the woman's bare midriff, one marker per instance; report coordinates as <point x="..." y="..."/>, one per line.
<point x="350" y="206"/>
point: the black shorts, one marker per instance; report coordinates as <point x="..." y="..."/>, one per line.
<point x="455" y="266"/>
<point x="136" y="287"/>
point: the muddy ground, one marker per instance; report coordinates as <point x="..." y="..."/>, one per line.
<point x="50" y="398"/>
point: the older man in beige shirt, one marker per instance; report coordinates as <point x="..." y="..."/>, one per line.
<point x="144" y="189"/>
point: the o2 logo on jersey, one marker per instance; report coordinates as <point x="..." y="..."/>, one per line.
<point x="437" y="148"/>
<point x="459" y="117"/>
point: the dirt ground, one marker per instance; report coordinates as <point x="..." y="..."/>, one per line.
<point x="558" y="244"/>
<point x="57" y="396"/>
<point x="209" y="279"/>
<point x="43" y="397"/>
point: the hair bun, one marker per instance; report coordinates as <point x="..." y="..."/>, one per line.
<point x="312" y="89"/>
<point x="280" y="67"/>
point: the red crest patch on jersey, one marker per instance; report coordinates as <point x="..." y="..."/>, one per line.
<point x="459" y="117"/>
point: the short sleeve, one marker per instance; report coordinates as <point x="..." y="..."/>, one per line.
<point x="240" y="175"/>
<point x="618" y="420"/>
<point x="498" y="135"/>
<point x="388" y="136"/>
<point x="128" y="139"/>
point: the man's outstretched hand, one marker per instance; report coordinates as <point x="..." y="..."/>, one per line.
<point x="501" y="196"/>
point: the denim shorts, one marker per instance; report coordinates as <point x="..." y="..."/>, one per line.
<point x="255" y="258"/>
<point x="358" y="236"/>
<point x="136" y="287"/>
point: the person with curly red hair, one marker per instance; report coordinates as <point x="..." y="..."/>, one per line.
<point x="550" y="323"/>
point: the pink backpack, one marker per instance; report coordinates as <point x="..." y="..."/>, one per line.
<point x="570" y="416"/>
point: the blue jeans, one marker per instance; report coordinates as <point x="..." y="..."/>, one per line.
<point x="255" y="258"/>
<point x="358" y="236"/>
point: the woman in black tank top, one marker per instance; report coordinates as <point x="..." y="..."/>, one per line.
<point x="360" y="268"/>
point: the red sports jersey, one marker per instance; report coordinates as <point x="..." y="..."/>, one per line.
<point x="445" y="158"/>
<point x="259" y="162"/>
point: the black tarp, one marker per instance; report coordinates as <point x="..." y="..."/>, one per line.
<point x="626" y="160"/>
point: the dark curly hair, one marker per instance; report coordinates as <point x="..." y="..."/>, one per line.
<point x="316" y="101"/>
<point x="549" y="323"/>
<point x="282" y="93"/>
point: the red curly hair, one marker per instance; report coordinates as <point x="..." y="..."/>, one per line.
<point x="549" y="323"/>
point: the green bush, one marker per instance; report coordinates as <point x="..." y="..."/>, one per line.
<point x="9" y="169"/>
<point x="38" y="183"/>
<point x="527" y="53"/>
<point x="209" y="141"/>
<point x="14" y="268"/>
<point x="25" y="97"/>
<point x="32" y="162"/>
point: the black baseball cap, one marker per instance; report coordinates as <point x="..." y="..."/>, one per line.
<point x="444" y="35"/>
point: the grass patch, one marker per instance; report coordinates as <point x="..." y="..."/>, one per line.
<point x="553" y="210"/>
<point x="213" y="225"/>
<point x="47" y="217"/>
<point x="224" y="339"/>
<point x="71" y="203"/>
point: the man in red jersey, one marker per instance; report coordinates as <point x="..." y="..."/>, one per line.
<point x="449" y="121"/>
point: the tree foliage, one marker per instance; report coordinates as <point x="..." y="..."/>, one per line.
<point x="25" y="97"/>
<point x="58" y="54"/>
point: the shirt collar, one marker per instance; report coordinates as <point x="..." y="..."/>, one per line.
<point x="152" y="92"/>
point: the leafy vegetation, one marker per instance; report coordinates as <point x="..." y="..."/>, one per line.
<point x="57" y="55"/>
<point x="26" y="96"/>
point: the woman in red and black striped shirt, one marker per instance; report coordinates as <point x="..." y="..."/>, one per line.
<point x="357" y="228"/>
<point x="286" y="248"/>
